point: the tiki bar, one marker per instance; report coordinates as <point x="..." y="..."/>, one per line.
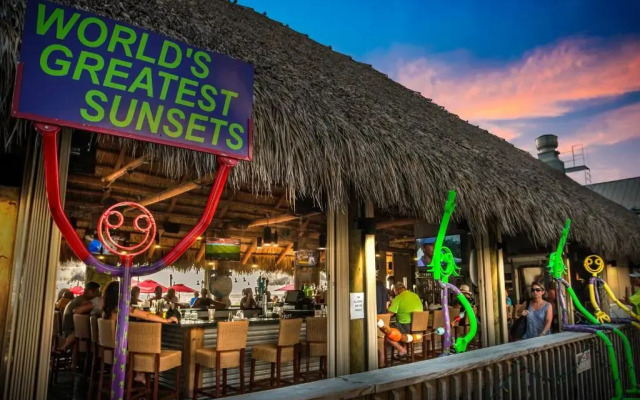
<point x="200" y="202"/>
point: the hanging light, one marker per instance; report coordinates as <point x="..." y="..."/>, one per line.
<point x="274" y="242"/>
<point x="322" y="241"/>
<point x="259" y="242"/>
<point x="295" y="246"/>
<point x="267" y="236"/>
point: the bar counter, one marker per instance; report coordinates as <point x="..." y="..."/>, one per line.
<point x="188" y="336"/>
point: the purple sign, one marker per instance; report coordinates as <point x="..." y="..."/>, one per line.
<point x="88" y="72"/>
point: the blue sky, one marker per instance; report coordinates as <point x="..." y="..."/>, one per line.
<point x="518" y="69"/>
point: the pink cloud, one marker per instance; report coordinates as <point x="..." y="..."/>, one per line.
<point x="541" y="84"/>
<point x="606" y="129"/>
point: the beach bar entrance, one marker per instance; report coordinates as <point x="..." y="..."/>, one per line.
<point x="79" y="70"/>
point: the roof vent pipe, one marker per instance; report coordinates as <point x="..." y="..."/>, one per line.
<point x="547" y="151"/>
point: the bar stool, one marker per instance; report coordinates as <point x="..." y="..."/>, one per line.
<point x="454" y="312"/>
<point x="58" y="359"/>
<point x="382" y="343"/>
<point x="106" y="344"/>
<point x="437" y="322"/>
<point x="82" y="332"/>
<point x="419" y="324"/>
<point x="146" y="355"/>
<point x="95" y="351"/>
<point x="315" y="344"/>
<point x="229" y="352"/>
<point x="276" y="353"/>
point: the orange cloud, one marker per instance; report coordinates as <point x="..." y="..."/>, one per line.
<point x="541" y="84"/>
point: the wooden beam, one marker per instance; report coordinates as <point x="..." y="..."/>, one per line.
<point x="200" y="252"/>
<point x="175" y="199"/>
<point x="249" y="252"/>
<point x="395" y="222"/>
<point x="284" y="253"/>
<point x="174" y="191"/>
<point x="282" y="200"/>
<point x="278" y="219"/>
<point x="119" y="162"/>
<point x="133" y="164"/>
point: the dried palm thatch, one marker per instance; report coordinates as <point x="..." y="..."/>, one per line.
<point x="326" y="126"/>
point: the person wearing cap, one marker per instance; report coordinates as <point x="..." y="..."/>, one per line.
<point x="405" y="303"/>
<point x="427" y="252"/>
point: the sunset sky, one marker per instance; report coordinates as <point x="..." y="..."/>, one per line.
<point x="518" y="69"/>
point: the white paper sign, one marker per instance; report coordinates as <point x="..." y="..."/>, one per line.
<point x="583" y="361"/>
<point x="357" y="305"/>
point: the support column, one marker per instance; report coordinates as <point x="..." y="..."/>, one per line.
<point x="36" y="258"/>
<point x="338" y="297"/>
<point x="370" y="294"/>
<point x="493" y="310"/>
<point x="356" y="285"/>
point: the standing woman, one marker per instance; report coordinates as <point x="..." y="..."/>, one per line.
<point x="539" y="313"/>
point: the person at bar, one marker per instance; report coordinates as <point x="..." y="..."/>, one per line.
<point x="157" y="293"/>
<point x="110" y="307"/>
<point x="247" y="300"/>
<point x="405" y="303"/>
<point x="196" y="294"/>
<point x="64" y="298"/>
<point x="135" y="296"/>
<point x="80" y="305"/>
<point x="382" y="296"/>
<point x="171" y="297"/>
<point x="204" y="301"/>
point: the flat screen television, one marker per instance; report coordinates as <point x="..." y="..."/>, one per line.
<point x="222" y="249"/>
<point x="424" y="250"/>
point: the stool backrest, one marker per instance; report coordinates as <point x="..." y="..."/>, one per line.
<point x="107" y="333"/>
<point x="145" y="337"/>
<point x="386" y="318"/>
<point x="289" y="333"/>
<point x="81" y="326"/>
<point x="419" y="321"/>
<point x="93" y="322"/>
<point x="232" y="335"/>
<point x="316" y="329"/>
<point x="438" y="319"/>
<point x="56" y="323"/>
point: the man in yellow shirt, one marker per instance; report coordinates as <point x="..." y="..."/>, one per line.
<point x="405" y="303"/>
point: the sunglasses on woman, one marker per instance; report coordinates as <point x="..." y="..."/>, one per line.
<point x="537" y="290"/>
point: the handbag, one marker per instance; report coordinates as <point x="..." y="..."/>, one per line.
<point x="519" y="327"/>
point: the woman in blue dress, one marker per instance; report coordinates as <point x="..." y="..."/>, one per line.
<point x="539" y="313"/>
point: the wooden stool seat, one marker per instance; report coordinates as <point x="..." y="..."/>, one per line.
<point x="316" y="349"/>
<point x="228" y="359"/>
<point x="229" y="352"/>
<point x="167" y="359"/>
<point x="269" y="352"/>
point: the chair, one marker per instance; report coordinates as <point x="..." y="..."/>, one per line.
<point x="82" y="332"/>
<point x="454" y="312"/>
<point x="146" y="355"/>
<point x="382" y="344"/>
<point x="59" y="359"/>
<point x="419" y="324"/>
<point x="437" y="322"/>
<point x="285" y="350"/>
<point x="315" y="344"/>
<point x="229" y="353"/>
<point x="106" y="346"/>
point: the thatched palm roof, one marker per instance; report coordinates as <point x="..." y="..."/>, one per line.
<point x="326" y="126"/>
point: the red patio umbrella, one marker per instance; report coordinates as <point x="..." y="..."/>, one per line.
<point x="148" y="286"/>
<point x="180" y="288"/>
<point x="77" y="290"/>
<point x="285" y="288"/>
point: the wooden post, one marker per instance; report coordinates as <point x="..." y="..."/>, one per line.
<point x="370" y="295"/>
<point x="485" y="302"/>
<point x="356" y="285"/>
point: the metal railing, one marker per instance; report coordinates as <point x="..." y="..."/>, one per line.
<point x="567" y="365"/>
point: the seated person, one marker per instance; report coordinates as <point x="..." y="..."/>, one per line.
<point x="65" y="297"/>
<point x="110" y="307"/>
<point x="247" y="300"/>
<point x="135" y="296"/>
<point x="204" y="301"/>
<point x="171" y="297"/>
<point x="196" y="294"/>
<point x="157" y="293"/>
<point x="80" y="305"/>
<point x="402" y="306"/>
